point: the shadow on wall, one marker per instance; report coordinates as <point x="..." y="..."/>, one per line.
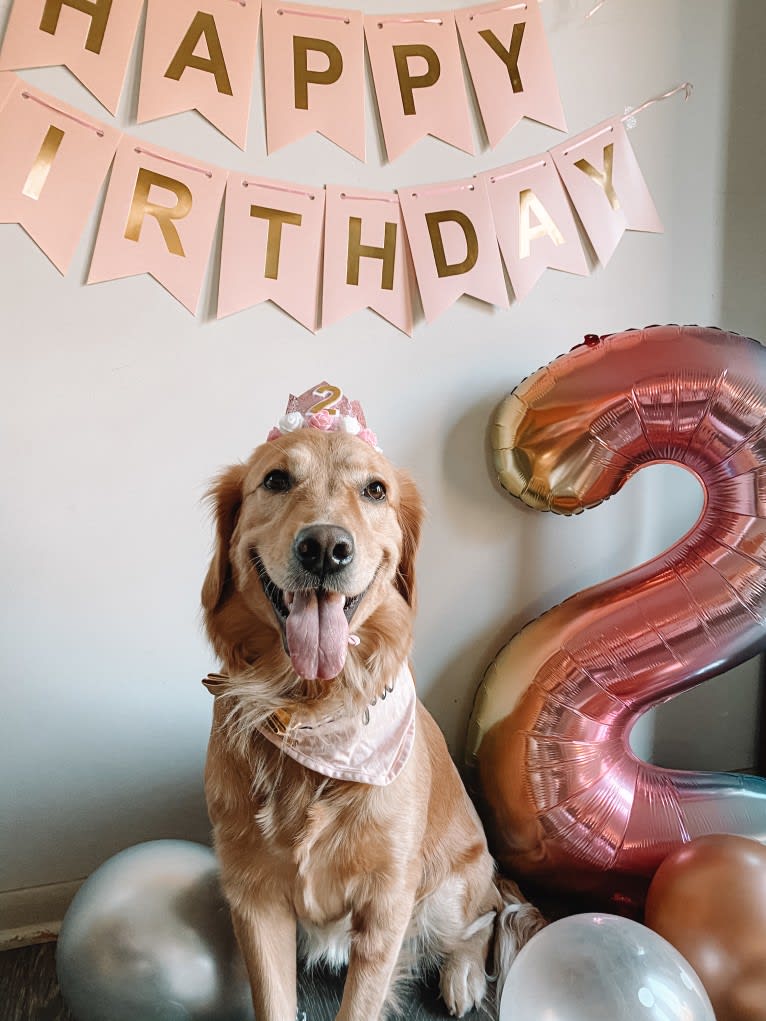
<point x="716" y="726"/>
<point x="109" y="819"/>
<point x="744" y="227"/>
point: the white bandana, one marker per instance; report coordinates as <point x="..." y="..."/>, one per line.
<point x="370" y="750"/>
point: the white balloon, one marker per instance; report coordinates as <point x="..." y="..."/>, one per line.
<point x="148" y="937"/>
<point x="595" y="967"/>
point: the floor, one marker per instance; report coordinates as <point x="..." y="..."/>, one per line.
<point x="28" y="987"/>
<point x="29" y="992"/>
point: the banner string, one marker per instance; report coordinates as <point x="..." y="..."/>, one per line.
<point x="177" y="163"/>
<point x="518" y="170"/>
<point x="447" y="187"/>
<point x="369" y="198"/>
<point x="411" y="21"/>
<point x="318" y="14"/>
<point x="505" y="7"/>
<point x="593" y="10"/>
<point x="278" y="187"/>
<point x="71" y="116"/>
<point x="686" y="87"/>
<point x="584" y="141"/>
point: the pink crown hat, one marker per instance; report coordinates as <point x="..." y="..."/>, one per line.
<point x="324" y="407"/>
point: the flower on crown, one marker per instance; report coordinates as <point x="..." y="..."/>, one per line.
<point x="325" y="408"/>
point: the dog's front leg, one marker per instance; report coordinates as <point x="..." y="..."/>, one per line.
<point x="379" y="930"/>
<point x="266" y="934"/>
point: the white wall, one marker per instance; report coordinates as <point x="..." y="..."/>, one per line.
<point x="116" y="408"/>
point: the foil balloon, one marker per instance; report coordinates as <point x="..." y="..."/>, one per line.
<point x="566" y="800"/>
<point x="602" y="968"/>
<point x="148" y="937"/>
<point x="708" y="898"/>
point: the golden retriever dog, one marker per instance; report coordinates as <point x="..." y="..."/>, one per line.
<point x="342" y="827"/>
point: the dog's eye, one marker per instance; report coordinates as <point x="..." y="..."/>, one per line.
<point x="277" y="481"/>
<point x="374" y="490"/>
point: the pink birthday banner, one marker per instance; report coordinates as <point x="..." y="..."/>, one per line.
<point x="319" y="253"/>
<point x="200" y="60"/>
<point x="313" y="65"/>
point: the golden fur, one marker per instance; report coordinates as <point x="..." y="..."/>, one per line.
<point x="386" y="878"/>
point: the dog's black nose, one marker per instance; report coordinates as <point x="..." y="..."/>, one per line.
<point x="324" y="549"/>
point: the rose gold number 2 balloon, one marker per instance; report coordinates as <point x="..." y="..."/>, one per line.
<point x="567" y="801"/>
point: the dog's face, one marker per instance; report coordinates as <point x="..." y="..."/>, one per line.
<point x="315" y="534"/>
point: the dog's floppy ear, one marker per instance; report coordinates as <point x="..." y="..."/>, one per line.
<point x="410" y="514"/>
<point x="225" y="496"/>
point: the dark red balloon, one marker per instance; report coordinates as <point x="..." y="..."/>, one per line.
<point x="708" y="898"/>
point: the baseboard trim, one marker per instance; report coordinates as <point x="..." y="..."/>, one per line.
<point x="34" y="914"/>
<point x="28" y="936"/>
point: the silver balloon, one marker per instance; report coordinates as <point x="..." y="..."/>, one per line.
<point x="596" y="967"/>
<point x="148" y="937"/>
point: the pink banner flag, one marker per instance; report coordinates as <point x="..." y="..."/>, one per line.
<point x="272" y="247"/>
<point x="418" y="75"/>
<point x="511" y="66"/>
<point x="366" y="263"/>
<point x="93" y="38"/>
<point x="313" y="59"/>
<point x="54" y="163"/>
<point x="534" y="223"/>
<point x="7" y="82"/>
<point x="200" y="60"/>
<point x="605" y="183"/>
<point x="159" y="217"/>
<point x="454" y="244"/>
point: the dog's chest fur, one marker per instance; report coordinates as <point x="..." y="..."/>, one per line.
<point x="322" y="840"/>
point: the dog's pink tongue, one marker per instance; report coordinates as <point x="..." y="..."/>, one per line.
<point x="317" y="635"/>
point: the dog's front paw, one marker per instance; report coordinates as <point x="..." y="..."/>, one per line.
<point x="463" y="983"/>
